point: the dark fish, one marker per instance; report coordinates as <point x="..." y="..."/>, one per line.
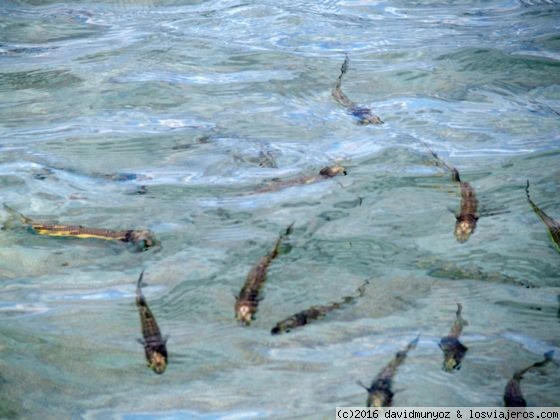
<point x="143" y="239"/>
<point x="453" y="350"/>
<point x="552" y="226"/>
<point x="266" y="160"/>
<point x="247" y="301"/>
<point x="380" y="393"/>
<point x="362" y="114"/>
<point x="153" y="342"/>
<point x="325" y="173"/>
<point x="314" y="313"/>
<point x="468" y="213"/>
<point x="512" y="394"/>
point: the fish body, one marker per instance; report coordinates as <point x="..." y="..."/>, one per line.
<point x="362" y="114"/>
<point x="512" y="394"/>
<point x="453" y="350"/>
<point x="144" y="239"/>
<point x="314" y="313"/>
<point x="325" y="173"/>
<point x="154" y="343"/>
<point x="467" y="218"/>
<point x="380" y="392"/>
<point x="552" y="226"/>
<point x="247" y="302"/>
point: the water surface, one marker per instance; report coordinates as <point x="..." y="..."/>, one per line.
<point x="144" y="114"/>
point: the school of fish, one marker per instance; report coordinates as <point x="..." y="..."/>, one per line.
<point x="380" y="393"/>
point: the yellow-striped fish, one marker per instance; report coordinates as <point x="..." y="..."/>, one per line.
<point x="247" y="302"/>
<point x="144" y="239"/>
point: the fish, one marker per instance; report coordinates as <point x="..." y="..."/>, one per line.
<point x="266" y="160"/>
<point x="380" y="393"/>
<point x="362" y="114"/>
<point x="467" y="218"/>
<point x="453" y="350"/>
<point x="247" y="302"/>
<point x="142" y="239"/>
<point x="325" y="173"/>
<point x="512" y="393"/>
<point x="552" y="226"/>
<point x="314" y="313"/>
<point x="154" y="343"/>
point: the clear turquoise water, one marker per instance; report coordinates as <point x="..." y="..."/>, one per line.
<point x="178" y="100"/>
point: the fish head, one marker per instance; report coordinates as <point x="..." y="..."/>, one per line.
<point x="244" y="314"/>
<point x="277" y="329"/>
<point x="453" y="354"/>
<point x="464" y="228"/>
<point x="379" y="398"/>
<point x="450" y="364"/>
<point x="365" y="116"/>
<point x="144" y="239"/>
<point x="332" y="171"/>
<point x="281" y="327"/>
<point x="157" y="360"/>
<point x="370" y="119"/>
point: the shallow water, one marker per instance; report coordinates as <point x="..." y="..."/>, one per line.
<point x="171" y="115"/>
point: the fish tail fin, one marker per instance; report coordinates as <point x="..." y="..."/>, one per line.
<point x="282" y="236"/>
<point x="140" y="279"/>
<point x="360" y="383"/>
<point x="139" y="285"/>
<point x="533" y="205"/>
<point x="549" y="358"/>
<point x="460" y="318"/>
<point x="439" y="161"/>
<point x="362" y="289"/>
<point x="343" y="70"/>
<point x="412" y="344"/>
<point x="345" y="65"/>
<point x="289" y="229"/>
<point x="455" y="175"/>
<point x="17" y="215"/>
<point x="548" y="221"/>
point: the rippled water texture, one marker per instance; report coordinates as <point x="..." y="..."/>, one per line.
<point x="171" y="115"/>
